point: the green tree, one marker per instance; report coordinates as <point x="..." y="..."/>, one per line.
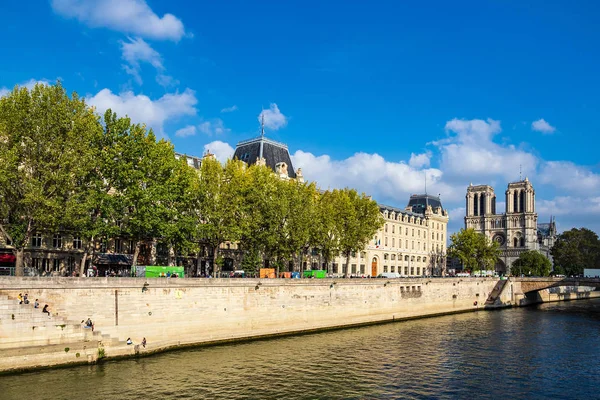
<point x="141" y="189"/>
<point x="220" y="212"/>
<point x="532" y="262"/>
<point x="325" y="234"/>
<point x="359" y="219"/>
<point x="576" y="250"/>
<point x="474" y="250"/>
<point x="44" y="153"/>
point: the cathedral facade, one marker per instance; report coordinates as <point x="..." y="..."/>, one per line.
<point x="516" y="230"/>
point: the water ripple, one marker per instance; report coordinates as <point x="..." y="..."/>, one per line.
<point x="550" y="351"/>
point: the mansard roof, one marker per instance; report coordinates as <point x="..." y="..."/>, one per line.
<point x="419" y="202"/>
<point x="273" y="153"/>
<point x="383" y="207"/>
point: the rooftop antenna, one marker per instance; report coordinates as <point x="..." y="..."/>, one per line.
<point x="520" y="173"/>
<point x="262" y="133"/>
<point x="426" y="198"/>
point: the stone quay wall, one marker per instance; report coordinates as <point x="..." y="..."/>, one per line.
<point x="173" y="313"/>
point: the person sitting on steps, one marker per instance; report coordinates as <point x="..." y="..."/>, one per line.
<point x="36" y="304"/>
<point x="45" y="310"/>
<point x="129" y="341"/>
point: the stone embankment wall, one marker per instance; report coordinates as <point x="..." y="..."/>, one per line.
<point x="172" y="313"/>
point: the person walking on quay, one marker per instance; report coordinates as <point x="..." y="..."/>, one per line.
<point x="144" y="342"/>
<point x="20" y="297"/>
<point x="26" y="299"/>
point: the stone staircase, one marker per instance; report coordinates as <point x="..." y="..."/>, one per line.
<point x="27" y="332"/>
<point x="495" y="293"/>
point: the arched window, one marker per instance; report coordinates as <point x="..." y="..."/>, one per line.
<point x="482" y="209"/>
<point x="516" y="242"/>
<point x="393" y="256"/>
<point x="522" y="202"/>
<point x="476" y="205"/>
<point x="405" y="258"/>
<point x="385" y="256"/>
<point x="515" y="201"/>
<point x="522" y="242"/>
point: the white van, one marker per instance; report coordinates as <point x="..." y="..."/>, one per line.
<point x="389" y="275"/>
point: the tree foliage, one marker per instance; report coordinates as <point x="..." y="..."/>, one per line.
<point x="532" y="263"/>
<point x="576" y="250"/>
<point x="44" y="154"/>
<point x="63" y="168"/>
<point x="474" y="250"/>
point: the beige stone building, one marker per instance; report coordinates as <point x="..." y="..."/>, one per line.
<point x="412" y="242"/>
<point x="517" y="229"/>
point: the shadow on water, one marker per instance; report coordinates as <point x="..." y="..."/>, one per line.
<point x="546" y="351"/>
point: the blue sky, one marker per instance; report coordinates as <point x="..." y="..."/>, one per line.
<point x="373" y="95"/>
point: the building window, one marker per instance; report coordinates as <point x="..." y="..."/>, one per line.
<point x="393" y="257"/>
<point x="334" y="268"/>
<point x="55" y="265"/>
<point x="412" y="270"/>
<point x="354" y="268"/>
<point x="393" y="242"/>
<point x="406" y="231"/>
<point x="36" y="240"/>
<point x="385" y="268"/>
<point x="362" y="255"/>
<point x="392" y="269"/>
<point x="406" y="244"/>
<point x="386" y="227"/>
<point x="431" y="235"/>
<point x="386" y="241"/>
<point x="413" y="244"/>
<point x="118" y="246"/>
<point x="418" y="270"/>
<point x="36" y="263"/>
<point x="413" y="232"/>
<point x="103" y="246"/>
<point x="57" y="241"/>
<point x="77" y="243"/>
<point x="385" y="256"/>
<point x="405" y="258"/>
<point x="393" y="228"/>
<point x="362" y="269"/>
<point x="406" y="271"/>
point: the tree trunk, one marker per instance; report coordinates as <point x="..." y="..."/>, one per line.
<point x="19" y="267"/>
<point x="86" y="253"/>
<point x="216" y="269"/>
<point x="136" y="253"/>
<point x="172" y="258"/>
<point x="347" y="265"/>
<point x="199" y="261"/>
<point x="82" y="264"/>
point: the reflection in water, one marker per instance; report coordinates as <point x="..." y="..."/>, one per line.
<point x="549" y="351"/>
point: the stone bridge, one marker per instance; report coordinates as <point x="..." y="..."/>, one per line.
<point x="535" y="284"/>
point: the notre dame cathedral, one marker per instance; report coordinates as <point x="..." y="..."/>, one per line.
<point x="517" y="229"/>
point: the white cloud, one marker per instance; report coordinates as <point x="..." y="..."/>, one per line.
<point x="388" y="182"/>
<point x="229" y="109"/>
<point x="570" y="177"/>
<point x="222" y="151"/>
<point x="28" y="84"/>
<point x="274" y="119"/>
<point x="189" y="130"/>
<point x="135" y="51"/>
<point x="141" y="109"/>
<point x="470" y="152"/>
<point x="127" y="16"/>
<point x="542" y="126"/>
<point x="214" y="127"/>
<point x="420" y="160"/>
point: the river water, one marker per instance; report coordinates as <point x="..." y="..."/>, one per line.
<point x="540" y="352"/>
